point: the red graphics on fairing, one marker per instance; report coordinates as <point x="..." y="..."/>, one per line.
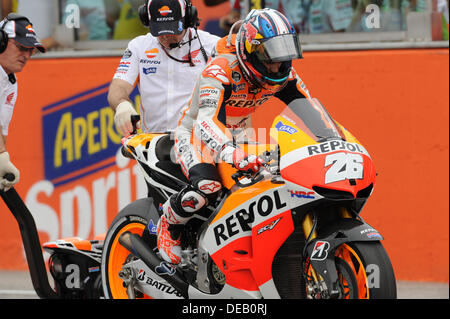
<point x="334" y="164"/>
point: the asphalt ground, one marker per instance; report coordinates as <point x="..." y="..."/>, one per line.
<point x="17" y="285"/>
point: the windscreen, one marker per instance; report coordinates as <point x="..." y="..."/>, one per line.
<point x="312" y="118"/>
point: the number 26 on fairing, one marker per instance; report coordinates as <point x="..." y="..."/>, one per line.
<point x="343" y="166"/>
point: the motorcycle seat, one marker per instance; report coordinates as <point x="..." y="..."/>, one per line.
<point x="164" y="148"/>
<point x="166" y="156"/>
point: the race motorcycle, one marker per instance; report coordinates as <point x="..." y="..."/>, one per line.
<point x="292" y="230"/>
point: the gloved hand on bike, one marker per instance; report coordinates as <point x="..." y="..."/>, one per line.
<point x="6" y="167"/>
<point x="122" y="118"/>
<point x="244" y="162"/>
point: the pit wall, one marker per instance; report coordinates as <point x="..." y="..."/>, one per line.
<point x="396" y="103"/>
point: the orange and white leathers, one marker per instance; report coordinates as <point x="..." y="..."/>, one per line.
<point x="220" y="108"/>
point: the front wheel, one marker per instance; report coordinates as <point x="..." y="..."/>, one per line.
<point x="365" y="271"/>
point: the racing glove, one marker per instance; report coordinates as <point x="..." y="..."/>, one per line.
<point x="122" y="118"/>
<point x="244" y="162"/>
<point x="6" y="167"/>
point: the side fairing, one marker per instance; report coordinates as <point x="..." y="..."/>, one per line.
<point x="246" y="233"/>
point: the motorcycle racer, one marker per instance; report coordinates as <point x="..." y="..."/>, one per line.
<point x="249" y="69"/>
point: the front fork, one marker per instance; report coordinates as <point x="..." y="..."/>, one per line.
<point x="323" y="270"/>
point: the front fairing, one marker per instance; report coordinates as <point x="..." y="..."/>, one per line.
<point x="318" y="154"/>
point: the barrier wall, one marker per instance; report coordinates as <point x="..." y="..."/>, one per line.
<point x="63" y="140"/>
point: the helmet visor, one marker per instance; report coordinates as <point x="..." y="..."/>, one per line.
<point x="282" y="48"/>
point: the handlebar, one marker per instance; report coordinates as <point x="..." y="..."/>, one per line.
<point x="254" y="178"/>
<point x="266" y="157"/>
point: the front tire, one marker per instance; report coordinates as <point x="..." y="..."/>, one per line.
<point x="371" y="268"/>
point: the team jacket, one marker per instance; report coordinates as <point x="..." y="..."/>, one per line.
<point x="220" y="108"/>
<point x="8" y="97"/>
<point x="165" y="85"/>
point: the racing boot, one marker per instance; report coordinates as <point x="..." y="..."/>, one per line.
<point x="177" y="211"/>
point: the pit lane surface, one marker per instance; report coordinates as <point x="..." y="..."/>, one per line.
<point x="17" y="285"/>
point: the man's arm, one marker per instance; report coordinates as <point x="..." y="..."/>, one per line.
<point x="119" y="91"/>
<point x="119" y="100"/>
<point x="2" y="142"/>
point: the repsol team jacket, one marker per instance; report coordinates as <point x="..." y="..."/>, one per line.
<point x="165" y="85"/>
<point x="220" y="108"/>
<point x="8" y="97"/>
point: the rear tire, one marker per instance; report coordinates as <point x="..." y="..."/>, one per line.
<point x="133" y="218"/>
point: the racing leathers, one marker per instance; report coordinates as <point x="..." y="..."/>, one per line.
<point x="220" y="107"/>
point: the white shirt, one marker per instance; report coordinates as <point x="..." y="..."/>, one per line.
<point x="165" y="85"/>
<point x="8" y="97"/>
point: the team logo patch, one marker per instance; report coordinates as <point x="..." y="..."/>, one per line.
<point x="269" y="226"/>
<point x="211" y="187"/>
<point x="165" y="268"/>
<point x="320" y="251"/>
<point x="30" y="28"/>
<point x="151" y="70"/>
<point x="280" y="127"/>
<point x="194" y="55"/>
<point x="152" y="227"/>
<point x="236" y="76"/>
<point x="127" y="54"/>
<point x="164" y="10"/>
<point x="9" y="99"/>
<point x="215" y="71"/>
<point x="151" y="53"/>
<point x="189" y="202"/>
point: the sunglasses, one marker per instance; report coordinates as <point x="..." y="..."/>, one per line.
<point x="22" y="48"/>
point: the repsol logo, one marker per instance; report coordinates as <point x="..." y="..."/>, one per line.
<point x="334" y="146"/>
<point x="242" y="220"/>
<point x="246" y="103"/>
<point x="145" y="61"/>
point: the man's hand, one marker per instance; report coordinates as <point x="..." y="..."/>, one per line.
<point x="122" y="118"/>
<point x="6" y="167"/>
<point x="244" y="162"/>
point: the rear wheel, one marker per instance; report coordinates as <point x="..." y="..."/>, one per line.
<point x="114" y="256"/>
<point x="371" y="277"/>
